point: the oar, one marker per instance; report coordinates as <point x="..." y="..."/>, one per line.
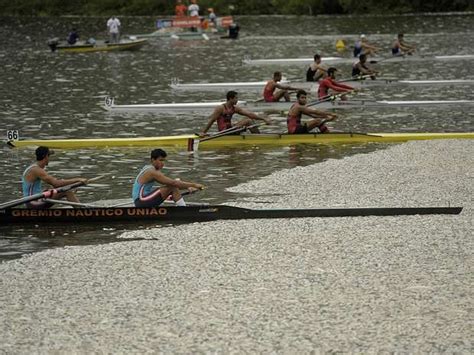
<point x="168" y="199"/>
<point x="193" y="143"/>
<point x="47" y="193"/>
<point x="357" y="78"/>
<point x="384" y="59"/>
<point x="328" y="98"/>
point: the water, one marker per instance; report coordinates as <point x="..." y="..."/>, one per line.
<point x="51" y="95"/>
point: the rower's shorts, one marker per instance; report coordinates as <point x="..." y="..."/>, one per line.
<point x="303" y="129"/>
<point x="152" y="200"/>
<point x="270" y="99"/>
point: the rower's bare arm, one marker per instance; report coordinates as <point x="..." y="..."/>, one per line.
<point x="318" y="113"/>
<point x="285" y="87"/>
<point x="251" y="115"/>
<point x="213" y="118"/>
<point x="164" y="180"/>
<point x="54" y="182"/>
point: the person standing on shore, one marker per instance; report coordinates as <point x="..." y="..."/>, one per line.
<point x="113" y="26"/>
<point x="180" y="9"/>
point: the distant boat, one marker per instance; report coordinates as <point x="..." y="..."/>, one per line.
<point x="95" y="46"/>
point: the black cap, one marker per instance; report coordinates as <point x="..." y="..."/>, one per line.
<point x="43" y="152"/>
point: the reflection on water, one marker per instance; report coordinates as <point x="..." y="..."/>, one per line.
<point x="46" y="95"/>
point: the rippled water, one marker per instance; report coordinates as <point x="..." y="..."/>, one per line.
<point x="46" y="95"/>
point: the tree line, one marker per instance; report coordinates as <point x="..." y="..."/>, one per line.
<point x="229" y="7"/>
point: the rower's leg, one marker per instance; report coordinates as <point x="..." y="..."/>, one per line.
<point x="174" y="192"/>
<point x="247" y="122"/>
<point x="281" y="93"/>
<point x="317" y="122"/>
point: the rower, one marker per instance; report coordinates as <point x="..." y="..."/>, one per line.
<point x="299" y="108"/>
<point x="329" y="83"/>
<point x="223" y="116"/>
<point x="361" y="67"/>
<point x="400" y="47"/>
<point x="35" y="174"/>
<point x="270" y="94"/>
<point x="315" y="71"/>
<point x="144" y="194"/>
<point x="72" y="37"/>
<point x="362" y="46"/>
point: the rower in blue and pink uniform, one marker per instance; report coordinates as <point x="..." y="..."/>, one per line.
<point x="145" y="193"/>
<point x="293" y="121"/>
<point x="223" y="116"/>
<point x="35" y="174"/>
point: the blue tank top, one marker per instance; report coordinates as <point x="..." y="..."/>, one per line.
<point x="145" y="188"/>
<point x="30" y="188"/>
<point x="357" y="48"/>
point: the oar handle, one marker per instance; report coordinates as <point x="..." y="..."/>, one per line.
<point x="329" y="98"/>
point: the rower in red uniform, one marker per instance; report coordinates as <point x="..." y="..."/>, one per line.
<point x="223" y="116"/>
<point x="330" y="83"/>
<point x="270" y="94"/>
<point x="299" y="108"/>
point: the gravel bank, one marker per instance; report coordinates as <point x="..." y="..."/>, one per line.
<point x="373" y="284"/>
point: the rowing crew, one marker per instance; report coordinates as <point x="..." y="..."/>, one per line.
<point x="317" y="73"/>
<point x="399" y="47"/>
<point x="144" y="193"/>
<point x="223" y="114"/>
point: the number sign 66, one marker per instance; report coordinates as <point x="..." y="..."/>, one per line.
<point x="13" y="135"/>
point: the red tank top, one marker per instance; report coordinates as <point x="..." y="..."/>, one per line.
<point x="268" y="91"/>
<point x="324" y="85"/>
<point x="225" y="119"/>
<point x="293" y="122"/>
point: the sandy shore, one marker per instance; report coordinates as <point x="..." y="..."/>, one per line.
<point x="372" y="284"/>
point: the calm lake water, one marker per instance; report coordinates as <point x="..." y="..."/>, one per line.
<point x="51" y="95"/>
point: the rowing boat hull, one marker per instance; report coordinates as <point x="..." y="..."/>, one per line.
<point x="183" y="141"/>
<point x="101" y="46"/>
<point x="341" y="60"/>
<point x="195" y="214"/>
<point x="261" y="106"/>
<point x="311" y="86"/>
